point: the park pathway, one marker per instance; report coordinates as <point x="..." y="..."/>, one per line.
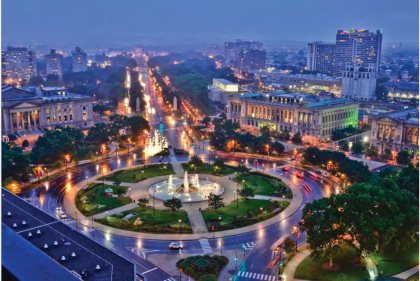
<point x="196" y="219"/>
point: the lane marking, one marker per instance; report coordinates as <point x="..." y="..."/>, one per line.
<point x="149" y="270"/>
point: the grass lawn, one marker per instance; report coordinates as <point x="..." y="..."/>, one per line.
<point x="249" y="212"/>
<point x="136" y="174"/>
<point x="96" y="192"/>
<point x="206" y="169"/>
<point x="162" y="222"/>
<point x="266" y="186"/>
<point x="309" y="269"/>
<point x="391" y="261"/>
<point x="83" y="152"/>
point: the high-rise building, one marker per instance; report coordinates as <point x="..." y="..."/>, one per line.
<point x="357" y="45"/>
<point x="79" y="60"/>
<point x="18" y="64"/>
<point x="53" y="63"/>
<point x="232" y="49"/>
<point x="321" y="57"/>
<point x="359" y="81"/>
<point x="249" y="60"/>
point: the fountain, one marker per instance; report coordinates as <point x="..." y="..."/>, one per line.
<point x="154" y="143"/>
<point x="170" y="182"/>
<point x="186" y="184"/>
<point x="172" y="187"/>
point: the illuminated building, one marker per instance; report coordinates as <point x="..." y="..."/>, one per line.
<point x="53" y="63"/>
<point x="315" y="120"/>
<point x="402" y="90"/>
<point x="232" y="49"/>
<point x="359" y="81"/>
<point x="79" y="60"/>
<point x="249" y="60"/>
<point x="321" y="57"/>
<point x="396" y="131"/>
<point x="308" y="82"/>
<point x="357" y="45"/>
<point x="222" y="89"/>
<point x="28" y="109"/>
<point x="18" y="64"/>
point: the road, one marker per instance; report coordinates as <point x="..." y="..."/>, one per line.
<point x="257" y="243"/>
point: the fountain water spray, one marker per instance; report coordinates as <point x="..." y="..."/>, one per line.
<point x="186" y="185"/>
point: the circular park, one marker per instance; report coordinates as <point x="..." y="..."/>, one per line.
<point x="182" y="198"/>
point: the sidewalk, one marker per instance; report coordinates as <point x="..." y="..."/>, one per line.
<point x="289" y="270"/>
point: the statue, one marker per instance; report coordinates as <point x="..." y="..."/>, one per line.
<point x="175" y="104"/>
<point x="138" y="104"/>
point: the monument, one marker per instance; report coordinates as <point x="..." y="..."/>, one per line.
<point x="175" y="107"/>
<point x="138" y="104"/>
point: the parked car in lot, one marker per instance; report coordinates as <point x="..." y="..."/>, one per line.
<point x="175" y="246"/>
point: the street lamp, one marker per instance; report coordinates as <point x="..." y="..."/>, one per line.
<point x="180" y="221"/>
<point x="87" y="183"/>
<point x="154" y="209"/>
<point x="295" y="230"/>
<point x="208" y="149"/>
<point x="67" y="158"/>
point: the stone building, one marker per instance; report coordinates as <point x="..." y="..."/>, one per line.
<point x="397" y="131"/>
<point x="359" y="81"/>
<point x="33" y="110"/>
<point x="315" y="120"/>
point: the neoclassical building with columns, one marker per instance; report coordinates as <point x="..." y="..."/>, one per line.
<point x="311" y="116"/>
<point x="32" y="110"/>
<point x="396" y="131"/>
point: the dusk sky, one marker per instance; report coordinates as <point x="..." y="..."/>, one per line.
<point x="125" y="22"/>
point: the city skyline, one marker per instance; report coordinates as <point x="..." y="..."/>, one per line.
<point x="172" y="23"/>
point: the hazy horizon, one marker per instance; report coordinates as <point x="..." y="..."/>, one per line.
<point x="95" y="23"/>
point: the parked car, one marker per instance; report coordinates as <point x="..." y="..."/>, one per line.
<point x="175" y="246"/>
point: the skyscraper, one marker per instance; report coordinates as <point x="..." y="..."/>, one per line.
<point x="321" y="57"/>
<point x="53" y="63"/>
<point x="17" y="64"/>
<point x="357" y="45"/>
<point x="79" y="60"/>
<point x="249" y="60"/>
<point x="232" y="49"/>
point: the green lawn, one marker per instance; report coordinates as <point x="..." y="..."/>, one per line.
<point x="83" y="152"/>
<point x="98" y="202"/>
<point x="162" y="222"/>
<point x="309" y="269"/>
<point x="248" y="212"/>
<point x="135" y="174"/>
<point x="207" y="169"/>
<point x="266" y="185"/>
<point x="391" y="261"/>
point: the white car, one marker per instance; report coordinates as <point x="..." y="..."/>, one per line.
<point x="175" y="246"/>
<point x="58" y="208"/>
<point x="63" y="216"/>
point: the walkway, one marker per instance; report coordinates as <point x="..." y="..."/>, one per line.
<point x="289" y="270"/>
<point x="404" y="275"/>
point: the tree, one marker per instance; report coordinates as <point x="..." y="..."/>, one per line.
<point x="142" y="202"/>
<point x="243" y="170"/>
<point x="98" y="134"/>
<point x="14" y="164"/>
<point x="344" y="145"/>
<point x="276" y="148"/>
<point x="12" y="137"/>
<point x="289" y="245"/>
<point x="381" y="93"/>
<point x="119" y="191"/>
<point x="206" y="121"/>
<point x="36" y="81"/>
<point x="403" y="158"/>
<point x="372" y="151"/>
<point x="25" y="143"/>
<point x="321" y="219"/>
<point x="215" y="201"/>
<point x="12" y="185"/>
<point x="297" y="138"/>
<point x="284" y="135"/>
<point x="137" y="125"/>
<point x="247" y="192"/>
<point x="357" y="148"/>
<point x="196" y="161"/>
<point x="173" y="204"/>
<point x="408" y="178"/>
<point x="117" y="183"/>
<point x="387" y="155"/>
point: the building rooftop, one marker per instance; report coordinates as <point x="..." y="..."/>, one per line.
<point x="403" y="85"/>
<point x="315" y="77"/>
<point x="328" y="103"/>
<point x="225" y="81"/>
<point x="45" y="229"/>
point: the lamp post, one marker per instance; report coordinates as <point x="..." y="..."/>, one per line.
<point x="295" y="230"/>
<point x="46" y="170"/>
<point x="180" y="221"/>
<point x="67" y="158"/>
<point x="103" y="179"/>
<point x="87" y="183"/>
<point x="236" y="261"/>
<point x="154" y="209"/>
<point x="208" y="155"/>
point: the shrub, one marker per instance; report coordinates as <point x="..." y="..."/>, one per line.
<point x="208" y="277"/>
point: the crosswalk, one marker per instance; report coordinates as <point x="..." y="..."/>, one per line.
<point x="249" y="246"/>
<point x="68" y="221"/>
<point x="206" y="246"/>
<point x="170" y="279"/>
<point x="141" y="252"/>
<point x="256" y="276"/>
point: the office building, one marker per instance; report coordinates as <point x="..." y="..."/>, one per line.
<point x="232" y="49"/>
<point x="359" y="46"/>
<point x="396" y="131"/>
<point x="53" y="63"/>
<point x="279" y="111"/>
<point x="309" y="82"/>
<point x="31" y="108"/>
<point x="18" y="64"/>
<point x="321" y="57"/>
<point x="359" y="81"/>
<point x="402" y="90"/>
<point x="79" y="60"/>
<point x="249" y="61"/>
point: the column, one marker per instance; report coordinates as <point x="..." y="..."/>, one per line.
<point x="11" y="121"/>
<point x="35" y="118"/>
<point x="29" y="120"/>
<point x="23" y="120"/>
<point x="411" y="134"/>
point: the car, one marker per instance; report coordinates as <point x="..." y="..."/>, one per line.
<point x="318" y="172"/>
<point x="175" y="246"/>
<point x="62" y="215"/>
<point x="285" y="169"/>
<point x="58" y="209"/>
<point x="299" y="175"/>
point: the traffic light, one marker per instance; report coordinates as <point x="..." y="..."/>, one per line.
<point x="236" y="258"/>
<point x="243" y="246"/>
<point x="281" y="264"/>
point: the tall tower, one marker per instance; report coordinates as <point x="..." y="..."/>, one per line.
<point x="53" y="63"/>
<point x="321" y="57"/>
<point x="79" y="60"/>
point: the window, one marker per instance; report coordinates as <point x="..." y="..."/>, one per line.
<point x="65" y="117"/>
<point x="48" y="119"/>
<point x="48" y="111"/>
<point x="59" y="118"/>
<point x="54" y="119"/>
<point x="84" y="116"/>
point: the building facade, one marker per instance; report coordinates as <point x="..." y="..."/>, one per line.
<point x="396" y="131"/>
<point x="232" y="49"/>
<point x="359" y="81"/>
<point x="18" y="64"/>
<point x="32" y="109"/>
<point x="307" y="82"/>
<point x="359" y="46"/>
<point x="79" y="60"/>
<point x="315" y="121"/>
<point x="321" y="57"/>
<point x="222" y="89"/>
<point x="53" y="63"/>
<point x="402" y="90"/>
<point x="249" y="60"/>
